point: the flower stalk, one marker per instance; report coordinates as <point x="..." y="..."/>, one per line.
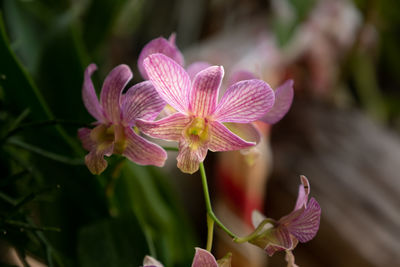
<point x="210" y="214"/>
<point x="210" y="232"/>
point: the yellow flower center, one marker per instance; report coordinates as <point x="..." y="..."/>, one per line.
<point x="197" y="132"/>
<point x="105" y="135"/>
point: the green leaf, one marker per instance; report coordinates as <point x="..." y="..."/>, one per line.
<point x="114" y="242"/>
<point x="18" y="87"/>
<point x="20" y="92"/>
<point x="144" y="193"/>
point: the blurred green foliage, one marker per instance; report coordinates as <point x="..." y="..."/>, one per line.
<point x="50" y="205"/>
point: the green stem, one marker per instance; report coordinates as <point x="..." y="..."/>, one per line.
<point x="44" y="153"/>
<point x="210" y="232"/>
<point x="36" y="124"/>
<point x="30" y="227"/>
<point x="258" y="230"/>
<point x="210" y="212"/>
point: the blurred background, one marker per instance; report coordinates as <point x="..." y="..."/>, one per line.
<point x="342" y="131"/>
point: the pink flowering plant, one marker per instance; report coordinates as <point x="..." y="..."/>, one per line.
<point x="202" y="258"/>
<point x="116" y="115"/>
<point x="300" y="225"/>
<point x="197" y="121"/>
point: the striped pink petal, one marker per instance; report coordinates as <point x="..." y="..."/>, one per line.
<point x="245" y="101"/>
<point x="306" y="226"/>
<point x="89" y="96"/>
<point x="279" y="239"/>
<point x="304" y="191"/>
<point x="151" y="262"/>
<point x="204" y="94"/>
<point x="204" y="258"/>
<point x="224" y="140"/>
<point x="169" y="128"/>
<point x="113" y="85"/>
<point x="294" y="215"/>
<point x="143" y="152"/>
<point x="273" y="239"/>
<point x="141" y="101"/>
<point x="189" y="156"/>
<point x="162" y="46"/>
<point x="196" y="67"/>
<point x="241" y="75"/>
<point x="84" y="136"/>
<point x="170" y="80"/>
<point x="283" y="101"/>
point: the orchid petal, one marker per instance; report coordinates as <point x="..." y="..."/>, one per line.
<point x="170" y="80"/>
<point x="280" y="237"/>
<point x="113" y="85"/>
<point x="257" y="218"/>
<point x="246" y="131"/>
<point x="141" y="101"/>
<point x="241" y="75"/>
<point x="159" y="45"/>
<point x="95" y="159"/>
<point x="294" y="215"/>
<point x="196" y="67"/>
<point x="169" y="128"/>
<point x="84" y="136"/>
<point x="151" y="262"/>
<point x="90" y="99"/>
<point x="224" y="140"/>
<point x="190" y="156"/>
<point x="274" y="239"/>
<point x="204" y="258"/>
<point x="245" y="101"/>
<point x="95" y="162"/>
<point x="271" y="249"/>
<point x="304" y="191"/>
<point x="226" y="261"/>
<point x="204" y="94"/>
<point x="306" y="226"/>
<point x="103" y="137"/>
<point x="283" y="101"/>
<point x="143" y="152"/>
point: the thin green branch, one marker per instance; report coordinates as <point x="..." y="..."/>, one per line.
<point x="38" y="124"/>
<point x="50" y="251"/>
<point x="210" y="232"/>
<point x="31" y="227"/>
<point x="19" y="204"/>
<point x="19" y="119"/>
<point x="13" y="177"/>
<point x="208" y="203"/>
<point x="258" y="230"/>
<point x="7" y="199"/>
<point x="44" y="153"/>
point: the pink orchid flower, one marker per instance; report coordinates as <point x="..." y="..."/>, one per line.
<point x="202" y="258"/>
<point x="301" y="224"/>
<point x="198" y="123"/>
<point x="283" y="97"/>
<point x="116" y="114"/>
<point x="283" y="94"/>
<point x="163" y="46"/>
